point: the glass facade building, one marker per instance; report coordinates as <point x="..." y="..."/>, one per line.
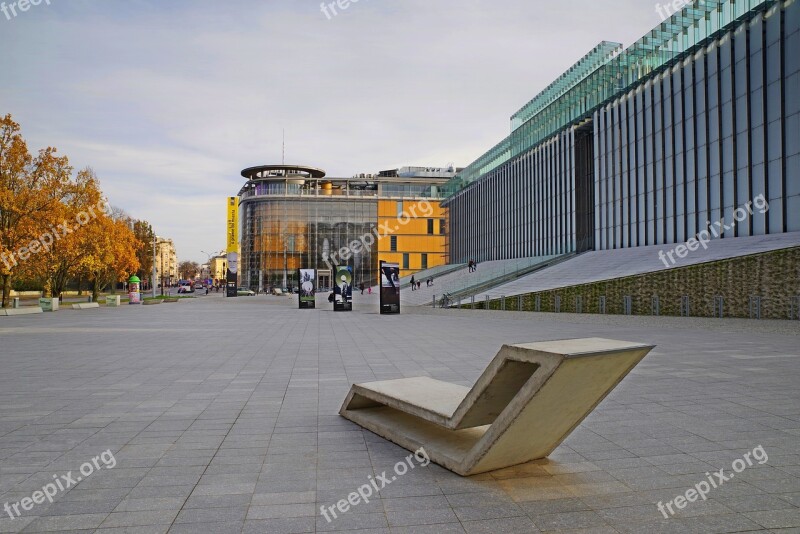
<point x="295" y="217"/>
<point x="648" y="145"/>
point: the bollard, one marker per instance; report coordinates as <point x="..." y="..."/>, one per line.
<point x="685" y="311"/>
<point x="434" y="301"/>
<point x="557" y="304"/>
<point x="579" y="304"/>
<point x="519" y="303"/>
<point x="601" y="306"/>
<point x="538" y="303"/>
<point x="627" y="304"/>
<point x="503" y="303"/>
<point x="656" y="305"/>
<point x="473" y="301"/>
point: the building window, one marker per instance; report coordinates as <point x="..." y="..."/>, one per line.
<point x="430" y="226"/>
<point x="442" y="226"/>
<point x="405" y="261"/>
<point x="399" y="208"/>
<point x="393" y="244"/>
<point x="424" y="261"/>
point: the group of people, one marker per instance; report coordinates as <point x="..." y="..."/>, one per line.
<point x="362" y="287"/>
<point x="473" y="266"/>
<point x="416" y="285"/>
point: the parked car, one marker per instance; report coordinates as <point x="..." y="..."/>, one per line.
<point x="244" y="292"/>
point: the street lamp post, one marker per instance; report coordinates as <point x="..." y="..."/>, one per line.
<point x="154" y="267"/>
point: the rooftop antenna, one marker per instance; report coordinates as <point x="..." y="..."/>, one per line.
<point x="283" y="153"/>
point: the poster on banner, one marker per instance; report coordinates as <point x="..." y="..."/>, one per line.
<point x="390" y="288"/>
<point x="308" y="289"/>
<point x="343" y="289"/>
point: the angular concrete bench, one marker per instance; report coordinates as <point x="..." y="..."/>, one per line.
<point x="28" y="310"/>
<point x="526" y="402"/>
<point x="85" y="305"/>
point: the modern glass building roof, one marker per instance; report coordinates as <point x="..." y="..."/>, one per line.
<point x="605" y="73"/>
<point x="599" y="56"/>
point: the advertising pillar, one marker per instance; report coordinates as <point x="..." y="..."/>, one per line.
<point x="390" y="288"/>
<point x="134" y="296"/>
<point x="233" y="247"/>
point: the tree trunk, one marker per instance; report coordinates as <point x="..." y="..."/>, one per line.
<point x="95" y="290"/>
<point x="6" y="290"/>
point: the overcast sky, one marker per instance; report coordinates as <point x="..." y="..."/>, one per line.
<point x="168" y="100"/>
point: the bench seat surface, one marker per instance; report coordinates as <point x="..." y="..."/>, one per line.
<point x="422" y="393"/>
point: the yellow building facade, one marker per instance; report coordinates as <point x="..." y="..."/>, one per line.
<point x="418" y="238"/>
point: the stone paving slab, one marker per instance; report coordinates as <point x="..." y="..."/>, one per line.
<point x="221" y="415"/>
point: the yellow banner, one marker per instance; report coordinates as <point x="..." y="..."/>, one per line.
<point x="233" y="224"/>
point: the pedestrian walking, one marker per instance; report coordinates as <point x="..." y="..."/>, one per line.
<point x="413" y="284"/>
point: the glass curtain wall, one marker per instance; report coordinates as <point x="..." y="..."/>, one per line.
<point x="283" y="235"/>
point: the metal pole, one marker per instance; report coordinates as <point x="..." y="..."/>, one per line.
<point x="154" y="266"/>
<point x="285" y="268"/>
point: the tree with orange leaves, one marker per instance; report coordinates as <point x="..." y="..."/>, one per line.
<point x="109" y="252"/>
<point x="30" y="190"/>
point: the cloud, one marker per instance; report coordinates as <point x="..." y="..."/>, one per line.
<point x="168" y="101"/>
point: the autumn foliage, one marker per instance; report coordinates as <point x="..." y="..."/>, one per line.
<point x="55" y="225"/>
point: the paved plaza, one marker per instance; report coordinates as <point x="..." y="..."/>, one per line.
<point x="221" y="416"/>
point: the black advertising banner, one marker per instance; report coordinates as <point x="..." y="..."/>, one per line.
<point x="343" y="289"/>
<point x="308" y="289"/>
<point x="390" y="288"/>
<point x="233" y="276"/>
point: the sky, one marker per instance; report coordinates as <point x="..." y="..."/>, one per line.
<point x="168" y="100"/>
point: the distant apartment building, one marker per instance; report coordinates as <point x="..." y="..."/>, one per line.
<point x="166" y="262"/>
<point x="217" y="268"/>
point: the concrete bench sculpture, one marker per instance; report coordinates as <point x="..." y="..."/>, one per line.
<point x="85" y="305"/>
<point x="526" y="402"/>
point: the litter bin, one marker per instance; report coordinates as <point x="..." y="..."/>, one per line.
<point x="15" y="303"/>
